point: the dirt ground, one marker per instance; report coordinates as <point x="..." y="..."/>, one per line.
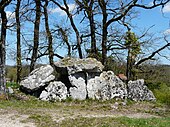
<point x="14" y="118"/>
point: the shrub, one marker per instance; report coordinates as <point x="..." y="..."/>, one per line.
<point x="162" y="93"/>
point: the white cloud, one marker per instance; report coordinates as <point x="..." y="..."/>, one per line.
<point x="167" y="32"/>
<point x="166" y="9"/>
<point x="61" y="12"/>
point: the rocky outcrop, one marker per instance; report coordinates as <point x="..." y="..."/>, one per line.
<point x="37" y="80"/>
<point x="138" y="91"/>
<point x="54" y="91"/>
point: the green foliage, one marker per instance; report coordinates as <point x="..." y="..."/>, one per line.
<point x="162" y="93"/>
<point x="12" y="85"/>
<point x="131" y="42"/>
<point x="11" y="72"/>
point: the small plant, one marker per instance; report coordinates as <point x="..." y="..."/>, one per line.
<point x="12" y="85"/>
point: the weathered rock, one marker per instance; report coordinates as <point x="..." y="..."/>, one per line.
<point x="77" y="71"/>
<point x="138" y="91"/>
<point x="78" y="89"/>
<point x="54" y="91"/>
<point x="106" y="86"/>
<point x="74" y="65"/>
<point x="37" y="79"/>
<point x="81" y="79"/>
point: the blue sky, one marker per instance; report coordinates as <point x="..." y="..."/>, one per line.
<point x="146" y="19"/>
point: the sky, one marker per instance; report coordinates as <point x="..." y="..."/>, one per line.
<point x="158" y="18"/>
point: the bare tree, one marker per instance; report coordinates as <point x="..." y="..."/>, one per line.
<point x="3" y="4"/>
<point x="115" y="12"/>
<point x="36" y="35"/>
<point x="49" y="35"/>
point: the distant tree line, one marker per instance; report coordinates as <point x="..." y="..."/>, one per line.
<point x="95" y="28"/>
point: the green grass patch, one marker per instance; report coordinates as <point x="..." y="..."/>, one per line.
<point x="13" y="85"/>
<point x="116" y="122"/>
<point x="41" y="120"/>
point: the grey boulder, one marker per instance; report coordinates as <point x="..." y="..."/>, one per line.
<point x="54" y="91"/>
<point x="106" y="86"/>
<point x="37" y="79"/>
<point x="78" y="89"/>
<point x="138" y="91"/>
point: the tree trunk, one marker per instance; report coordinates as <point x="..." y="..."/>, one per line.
<point x="102" y="5"/>
<point x="92" y="27"/>
<point x="128" y="67"/>
<point x="50" y="38"/>
<point x="36" y="35"/>
<point x="2" y="52"/>
<point x="19" y="64"/>
<point x="93" y="36"/>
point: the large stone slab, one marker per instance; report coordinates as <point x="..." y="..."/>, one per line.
<point x="75" y="65"/>
<point x="78" y="89"/>
<point x="37" y="79"/>
<point x="138" y="91"/>
<point x="54" y="91"/>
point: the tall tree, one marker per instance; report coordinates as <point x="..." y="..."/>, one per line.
<point x="133" y="46"/>
<point x="3" y="4"/>
<point x="103" y="7"/>
<point x="36" y="35"/>
<point x="18" y="27"/>
<point x="49" y="35"/>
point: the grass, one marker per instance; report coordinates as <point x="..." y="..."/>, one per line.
<point x="42" y="120"/>
<point x="74" y="112"/>
<point x="116" y="122"/>
<point x="12" y="85"/>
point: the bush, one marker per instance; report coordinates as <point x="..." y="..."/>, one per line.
<point x="162" y="93"/>
<point x="153" y="85"/>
